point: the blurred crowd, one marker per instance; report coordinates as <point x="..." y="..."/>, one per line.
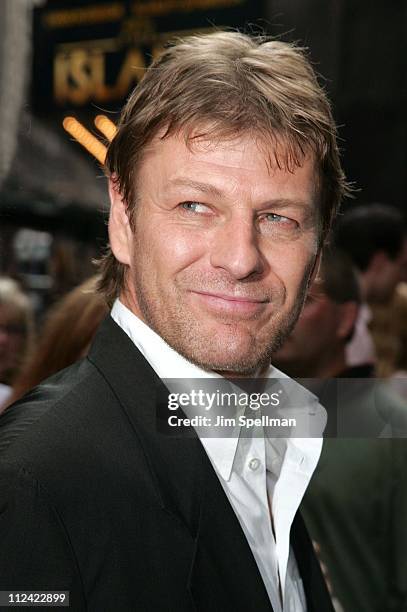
<point x="349" y="347"/>
<point x="28" y="355"/>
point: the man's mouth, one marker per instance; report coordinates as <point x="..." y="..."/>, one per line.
<point x="231" y="304"/>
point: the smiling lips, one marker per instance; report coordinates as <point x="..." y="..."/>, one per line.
<point x="232" y="304"/>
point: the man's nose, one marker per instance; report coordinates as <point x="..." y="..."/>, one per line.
<point x="235" y="248"/>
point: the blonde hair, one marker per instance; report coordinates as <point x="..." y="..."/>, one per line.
<point x="13" y="298"/>
<point x="67" y="332"/>
<point x="220" y="86"/>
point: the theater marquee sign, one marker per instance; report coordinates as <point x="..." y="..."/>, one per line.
<point x="91" y="54"/>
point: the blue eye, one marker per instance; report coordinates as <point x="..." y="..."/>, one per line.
<point x="195" y="207"/>
<point x="280" y="221"/>
<point x="278" y="218"/>
<point x="274" y="224"/>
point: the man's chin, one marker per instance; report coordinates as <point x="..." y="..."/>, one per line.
<point x="239" y="358"/>
<point x="229" y="367"/>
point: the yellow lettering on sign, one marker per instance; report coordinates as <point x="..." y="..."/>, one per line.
<point x="130" y="73"/>
<point x="77" y="75"/>
<point x="80" y="76"/>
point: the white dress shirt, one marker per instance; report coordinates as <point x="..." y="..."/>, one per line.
<point x="262" y="477"/>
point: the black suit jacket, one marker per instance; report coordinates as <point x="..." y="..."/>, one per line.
<point x="93" y="500"/>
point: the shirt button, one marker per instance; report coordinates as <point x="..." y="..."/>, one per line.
<point x="254" y="464"/>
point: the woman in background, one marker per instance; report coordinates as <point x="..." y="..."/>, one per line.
<point x="16" y="333"/>
<point x="65" y="337"/>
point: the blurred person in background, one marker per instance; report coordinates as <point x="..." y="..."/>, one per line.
<point x="389" y="331"/>
<point x="16" y="333"/>
<point x="374" y="236"/>
<point x="331" y="307"/>
<point x="356" y="504"/>
<point x="392" y="322"/>
<point x="65" y="336"/>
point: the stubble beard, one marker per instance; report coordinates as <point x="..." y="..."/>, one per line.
<point x="187" y="336"/>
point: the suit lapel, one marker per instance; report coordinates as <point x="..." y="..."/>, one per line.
<point x="174" y="462"/>
<point x="224" y="574"/>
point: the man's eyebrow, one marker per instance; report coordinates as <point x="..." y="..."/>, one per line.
<point x="206" y="188"/>
<point x="211" y="190"/>
<point x="280" y="203"/>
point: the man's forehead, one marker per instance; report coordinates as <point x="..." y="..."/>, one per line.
<point x="202" y="142"/>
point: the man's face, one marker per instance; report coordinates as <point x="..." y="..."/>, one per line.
<point x="316" y="338"/>
<point x="222" y="250"/>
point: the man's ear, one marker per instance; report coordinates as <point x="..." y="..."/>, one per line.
<point x="120" y="232"/>
<point x="348" y="315"/>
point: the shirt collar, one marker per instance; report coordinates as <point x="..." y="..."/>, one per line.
<point x="167" y="364"/>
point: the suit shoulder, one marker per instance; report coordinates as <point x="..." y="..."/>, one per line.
<point x="49" y="407"/>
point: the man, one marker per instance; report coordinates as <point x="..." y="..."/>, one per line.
<point x="316" y="346"/>
<point x="374" y="237"/>
<point x="224" y="177"/>
<point x="356" y="503"/>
